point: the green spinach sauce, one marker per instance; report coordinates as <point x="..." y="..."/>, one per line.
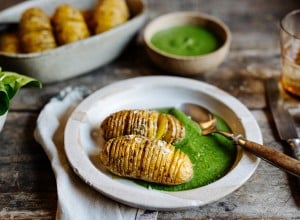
<point x="185" y="40"/>
<point x="212" y="156"/>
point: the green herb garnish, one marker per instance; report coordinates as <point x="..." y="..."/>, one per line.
<point x="10" y="83"/>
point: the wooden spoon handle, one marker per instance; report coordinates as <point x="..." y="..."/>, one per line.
<point x="272" y="156"/>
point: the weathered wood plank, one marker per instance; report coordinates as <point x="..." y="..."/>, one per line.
<point x="241" y="75"/>
<point x="27" y="183"/>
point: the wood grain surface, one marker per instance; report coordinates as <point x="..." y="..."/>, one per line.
<point x="27" y="183"/>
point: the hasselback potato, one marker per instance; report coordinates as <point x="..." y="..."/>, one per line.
<point x="148" y="159"/>
<point x="69" y="24"/>
<point x="35" y="31"/>
<point x="110" y="13"/>
<point x="148" y="123"/>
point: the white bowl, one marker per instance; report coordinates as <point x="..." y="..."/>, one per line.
<point x="188" y="65"/>
<point x="76" y="58"/>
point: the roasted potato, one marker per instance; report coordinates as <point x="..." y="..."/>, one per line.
<point x="143" y="122"/>
<point x="35" y="31"/>
<point x="88" y="16"/>
<point x="69" y="24"/>
<point x="110" y="13"/>
<point x="148" y="159"/>
<point x="9" y="42"/>
<point x="34" y="19"/>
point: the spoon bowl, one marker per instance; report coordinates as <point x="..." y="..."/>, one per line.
<point x="208" y="124"/>
<point x="206" y="120"/>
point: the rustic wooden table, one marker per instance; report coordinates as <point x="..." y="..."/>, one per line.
<point x="27" y="183"/>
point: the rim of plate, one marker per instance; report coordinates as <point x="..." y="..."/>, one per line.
<point x="79" y="128"/>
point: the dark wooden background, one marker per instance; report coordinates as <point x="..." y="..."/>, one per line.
<point x="27" y="183"/>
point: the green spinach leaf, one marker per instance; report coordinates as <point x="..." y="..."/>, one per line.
<point x="10" y="83"/>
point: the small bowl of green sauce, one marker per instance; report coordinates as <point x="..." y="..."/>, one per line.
<point x="187" y="43"/>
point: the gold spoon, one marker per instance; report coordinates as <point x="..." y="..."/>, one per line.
<point x="208" y="124"/>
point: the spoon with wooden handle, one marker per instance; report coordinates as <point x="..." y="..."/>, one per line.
<point x="208" y="125"/>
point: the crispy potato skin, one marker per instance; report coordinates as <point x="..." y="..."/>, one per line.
<point x="38" y="32"/>
<point x="34" y="19"/>
<point x="35" y="31"/>
<point x="69" y="25"/>
<point x="148" y="159"/>
<point x="88" y="16"/>
<point x="143" y="122"/>
<point x="9" y="43"/>
<point x="110" y="13"/>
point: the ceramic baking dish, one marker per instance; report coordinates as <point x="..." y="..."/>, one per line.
<point x="75" y="58"/>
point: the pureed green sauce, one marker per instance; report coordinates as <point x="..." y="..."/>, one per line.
<point x="212" y="156"/>
<point x="186" y="40"/>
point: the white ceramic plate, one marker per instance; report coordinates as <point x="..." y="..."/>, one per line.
<point x="154" y="92"/>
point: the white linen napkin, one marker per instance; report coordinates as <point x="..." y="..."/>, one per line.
<point x="76" y="200"/>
